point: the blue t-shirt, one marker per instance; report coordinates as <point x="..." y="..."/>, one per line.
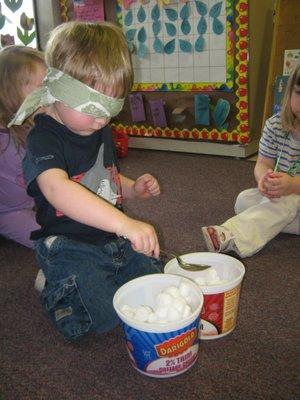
<point x="90" y="161"/>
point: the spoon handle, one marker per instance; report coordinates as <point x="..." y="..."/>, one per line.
<point x="184" y="265"/>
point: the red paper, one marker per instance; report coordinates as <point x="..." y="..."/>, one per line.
<point x="89" y="10"/>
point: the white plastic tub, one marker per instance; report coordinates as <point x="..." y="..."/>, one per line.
<point x="220" y="309"/>
<point x="159" y="350"/>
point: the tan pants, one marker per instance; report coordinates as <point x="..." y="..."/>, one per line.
<point x="259" y="220"/>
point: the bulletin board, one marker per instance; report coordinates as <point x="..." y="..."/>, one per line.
<point x="171" y="50"/>
<point x="190" y="61"/>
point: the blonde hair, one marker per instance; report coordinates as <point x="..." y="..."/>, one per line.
<point x="17" y="66"/>
<point x="288" y="118"/>
<point x="93" y="53"/>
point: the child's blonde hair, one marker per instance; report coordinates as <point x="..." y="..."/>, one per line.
<point x="18" y="64"/>
<point x="93" y="53"/>
<point x="288" y="118"/>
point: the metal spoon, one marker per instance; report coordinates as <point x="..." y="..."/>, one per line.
<point x="185" y="265"/>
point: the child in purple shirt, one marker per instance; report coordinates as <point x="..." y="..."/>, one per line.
<point x="22" y="70"/>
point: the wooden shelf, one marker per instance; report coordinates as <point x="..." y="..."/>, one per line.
<point x="219" y="149"/>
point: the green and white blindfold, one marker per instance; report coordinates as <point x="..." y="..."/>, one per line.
<point x="58" y="86"/>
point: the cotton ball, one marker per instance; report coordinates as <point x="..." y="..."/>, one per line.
<point x="126" y="307"/>
<point x="164" y="299"/>
<point x="211" y="273"/>
<point x="173" y="314"/>
<point x="188" y="299"/>
<point x="187" y="311"/>
<point x="200" y="281"/>
<point x="150" y="310"/>
<point x="222" y="281"/>
<point x="184" y="289"/>
<point x="161" y="312"/>
<point x="127" y="311"/>
<point x="179" y="303"/>
<point x="173" y="291"/>
<point x="214" y="281"/>
<point x="152" y="318"/>
<point x="142" y="313"/>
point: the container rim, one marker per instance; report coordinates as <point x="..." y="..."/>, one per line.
<point x="152" y="327"/>
<point x="218" y="288"/>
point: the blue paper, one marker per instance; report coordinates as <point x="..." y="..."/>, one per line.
<point x="185" y="46"/>
<point x="170" y="47"/>
<point x="218" y="26"/>
<point x="141" y="15"/>
<point x="215" y="10"/>
<point x="200" y="44"/>
<point x="171" y="14"/>
<point x="171" y="29"/>
<point x="221" y="113"/>
<point x="201" y="7"/>
<point x="202" y="109"/>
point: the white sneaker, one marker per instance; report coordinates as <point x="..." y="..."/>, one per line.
<point x="40" y="281"/>
<point x="218" y="239"/>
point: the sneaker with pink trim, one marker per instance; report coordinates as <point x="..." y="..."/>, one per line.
<point x="218" y="239"/>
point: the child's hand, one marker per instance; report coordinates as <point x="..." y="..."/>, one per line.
<point x="262" y="182"/>
<point x="278" y="184"/>
<point x="142" y="236"/>
<point x="146" y="186"/>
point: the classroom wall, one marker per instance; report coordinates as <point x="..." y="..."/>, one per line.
<point x="48" y="16"/>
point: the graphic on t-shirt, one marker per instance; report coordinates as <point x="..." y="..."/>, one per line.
<point x="105" y="191"/>
<point x="98" y="180"/>
<point x="105" y="182"/>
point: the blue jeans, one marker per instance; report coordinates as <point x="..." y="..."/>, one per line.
<point x="82" y="279"/>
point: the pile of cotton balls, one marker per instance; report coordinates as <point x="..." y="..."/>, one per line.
<point x="171" y="304"/>
<point x="209" y="277"/>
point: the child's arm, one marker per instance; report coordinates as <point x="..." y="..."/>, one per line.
<point x="81" y="205"/>
<point x="145" y="186"/>
<point x="274" y="184"/>
<point x="263" y="167"/>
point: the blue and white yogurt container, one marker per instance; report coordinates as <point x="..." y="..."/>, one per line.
<point x="156" y="349"/>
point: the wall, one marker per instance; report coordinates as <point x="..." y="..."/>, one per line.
<point x="47" y="17"/>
